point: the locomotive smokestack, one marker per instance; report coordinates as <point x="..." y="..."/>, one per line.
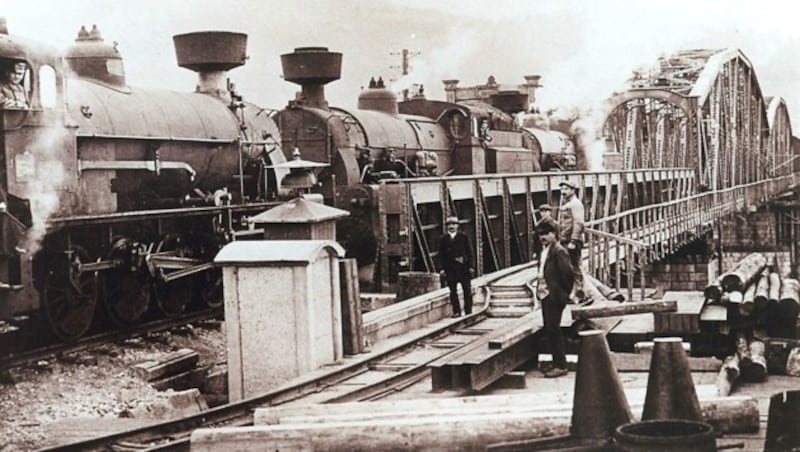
<point x="3" y="26"/>
<point x="531" y="83"/>
<point x="312" y="68"/>
<point x="451" y="88"/>
<point x="211" y="54"/>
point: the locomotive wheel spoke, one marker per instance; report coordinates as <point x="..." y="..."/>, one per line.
<point x="173" y="297"/>
<point x="127" y="298"/>
<point x="126" y="294"/>
<point x="69" y="308"/>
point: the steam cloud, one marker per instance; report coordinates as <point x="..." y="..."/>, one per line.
<point x="46" y="189"/>
<point x="439" y="63"/>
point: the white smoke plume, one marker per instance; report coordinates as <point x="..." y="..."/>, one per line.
<point x="603" y="63"/>
<point x="439" y="63"/>
<point x="45" y="189"/>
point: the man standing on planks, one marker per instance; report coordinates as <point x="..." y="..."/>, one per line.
<point x="571" y="219"/>
<point x="455" y="257"/>
<point x="555" y="281"/>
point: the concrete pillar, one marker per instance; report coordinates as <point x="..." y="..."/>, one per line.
<point x="282" y="311"/>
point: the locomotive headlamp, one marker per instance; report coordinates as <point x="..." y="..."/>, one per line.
<point x="301" y="172"/>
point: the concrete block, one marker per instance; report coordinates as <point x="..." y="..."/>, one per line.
<point x="373" y="301"/>
<point x="175" y="405"/>
<point x="282" y="311"/>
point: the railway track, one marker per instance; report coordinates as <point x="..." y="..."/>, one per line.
<point x="23" y="357"/>
<point x="382" y="372"/>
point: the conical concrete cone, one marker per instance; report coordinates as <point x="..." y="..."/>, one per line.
<point x="670" y="388"/>
<point x="600" y="405"/>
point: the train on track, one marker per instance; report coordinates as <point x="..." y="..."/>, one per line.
<point x="115" y="199"/>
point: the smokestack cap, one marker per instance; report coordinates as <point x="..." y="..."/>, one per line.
<point x="207" y="51"/>
<point x="311" y="65"/>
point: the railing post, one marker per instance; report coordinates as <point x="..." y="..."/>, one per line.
<point x="642" y="263"/>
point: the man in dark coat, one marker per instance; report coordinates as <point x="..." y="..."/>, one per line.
<point x="455" y="256"/>
<point x="554" y="284"/>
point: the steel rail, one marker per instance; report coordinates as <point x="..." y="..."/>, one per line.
<point x="174" y="434"/>
<point x="18" y="359"/>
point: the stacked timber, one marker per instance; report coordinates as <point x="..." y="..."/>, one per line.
<point x="756" y="296"/>
<point x="747" y="364"/>
<point x="177" y="370"/>
<point x="761" y="306"/>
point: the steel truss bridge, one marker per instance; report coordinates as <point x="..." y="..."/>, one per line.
<point x="698" y="142"/>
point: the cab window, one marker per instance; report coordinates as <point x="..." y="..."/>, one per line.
<point x="47" y="86"/>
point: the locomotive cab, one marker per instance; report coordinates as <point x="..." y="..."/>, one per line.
<point x="37" y="147"/>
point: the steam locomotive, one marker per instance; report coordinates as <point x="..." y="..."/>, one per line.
<point x="116" y="199"/>
<point x="372" y="149"/>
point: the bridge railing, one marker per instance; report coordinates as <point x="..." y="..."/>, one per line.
<point x="620" y="244"/>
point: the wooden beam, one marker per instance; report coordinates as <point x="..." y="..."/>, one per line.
<point x="445" y="372"/>
<point x="352" y="319"/>
<point x="484" y="370"/>
<point x="636" y="362"/>
<point x="738" y="414"/>
<point x="625" y="309"/>
<point x="169" y="364"/>
<point x="511" y="337"/>
<point x="430" y="433"/>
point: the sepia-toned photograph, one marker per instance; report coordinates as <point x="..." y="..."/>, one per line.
<point x="399" y="225"/>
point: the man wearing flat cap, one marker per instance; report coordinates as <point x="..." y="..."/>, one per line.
<point x="554" y="282"/>
<point x="571" y="231"/>
<point x="455" y="257"/>
<point x="545" y="213"/>
<point x="12" y="90"/>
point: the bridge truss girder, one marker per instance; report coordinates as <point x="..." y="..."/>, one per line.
<point x="713" y="119"/>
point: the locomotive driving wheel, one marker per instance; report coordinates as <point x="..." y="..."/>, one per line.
<point x="209" y="289"/>
<point x="126" y="289"/>
<point x="172" y="297"/>
<point x="69" y="296"/>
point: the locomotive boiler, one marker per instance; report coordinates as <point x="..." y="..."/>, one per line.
<point x="117" y="198"/>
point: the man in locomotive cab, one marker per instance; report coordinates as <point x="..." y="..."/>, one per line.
<point x="366" y="164"/>
<point x="390" y="166"/>
<point x="13" y="95"/>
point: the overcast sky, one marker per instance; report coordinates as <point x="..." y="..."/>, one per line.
<point x="583" y="50"/>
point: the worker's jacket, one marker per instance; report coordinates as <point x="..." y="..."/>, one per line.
<point x="570" y="220"/>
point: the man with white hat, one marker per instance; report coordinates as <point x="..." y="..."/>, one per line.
<point x="571" y="220"/>
<point x="455" y="257"/>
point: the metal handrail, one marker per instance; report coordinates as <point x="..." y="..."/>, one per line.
<point x="653" y="231"/>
